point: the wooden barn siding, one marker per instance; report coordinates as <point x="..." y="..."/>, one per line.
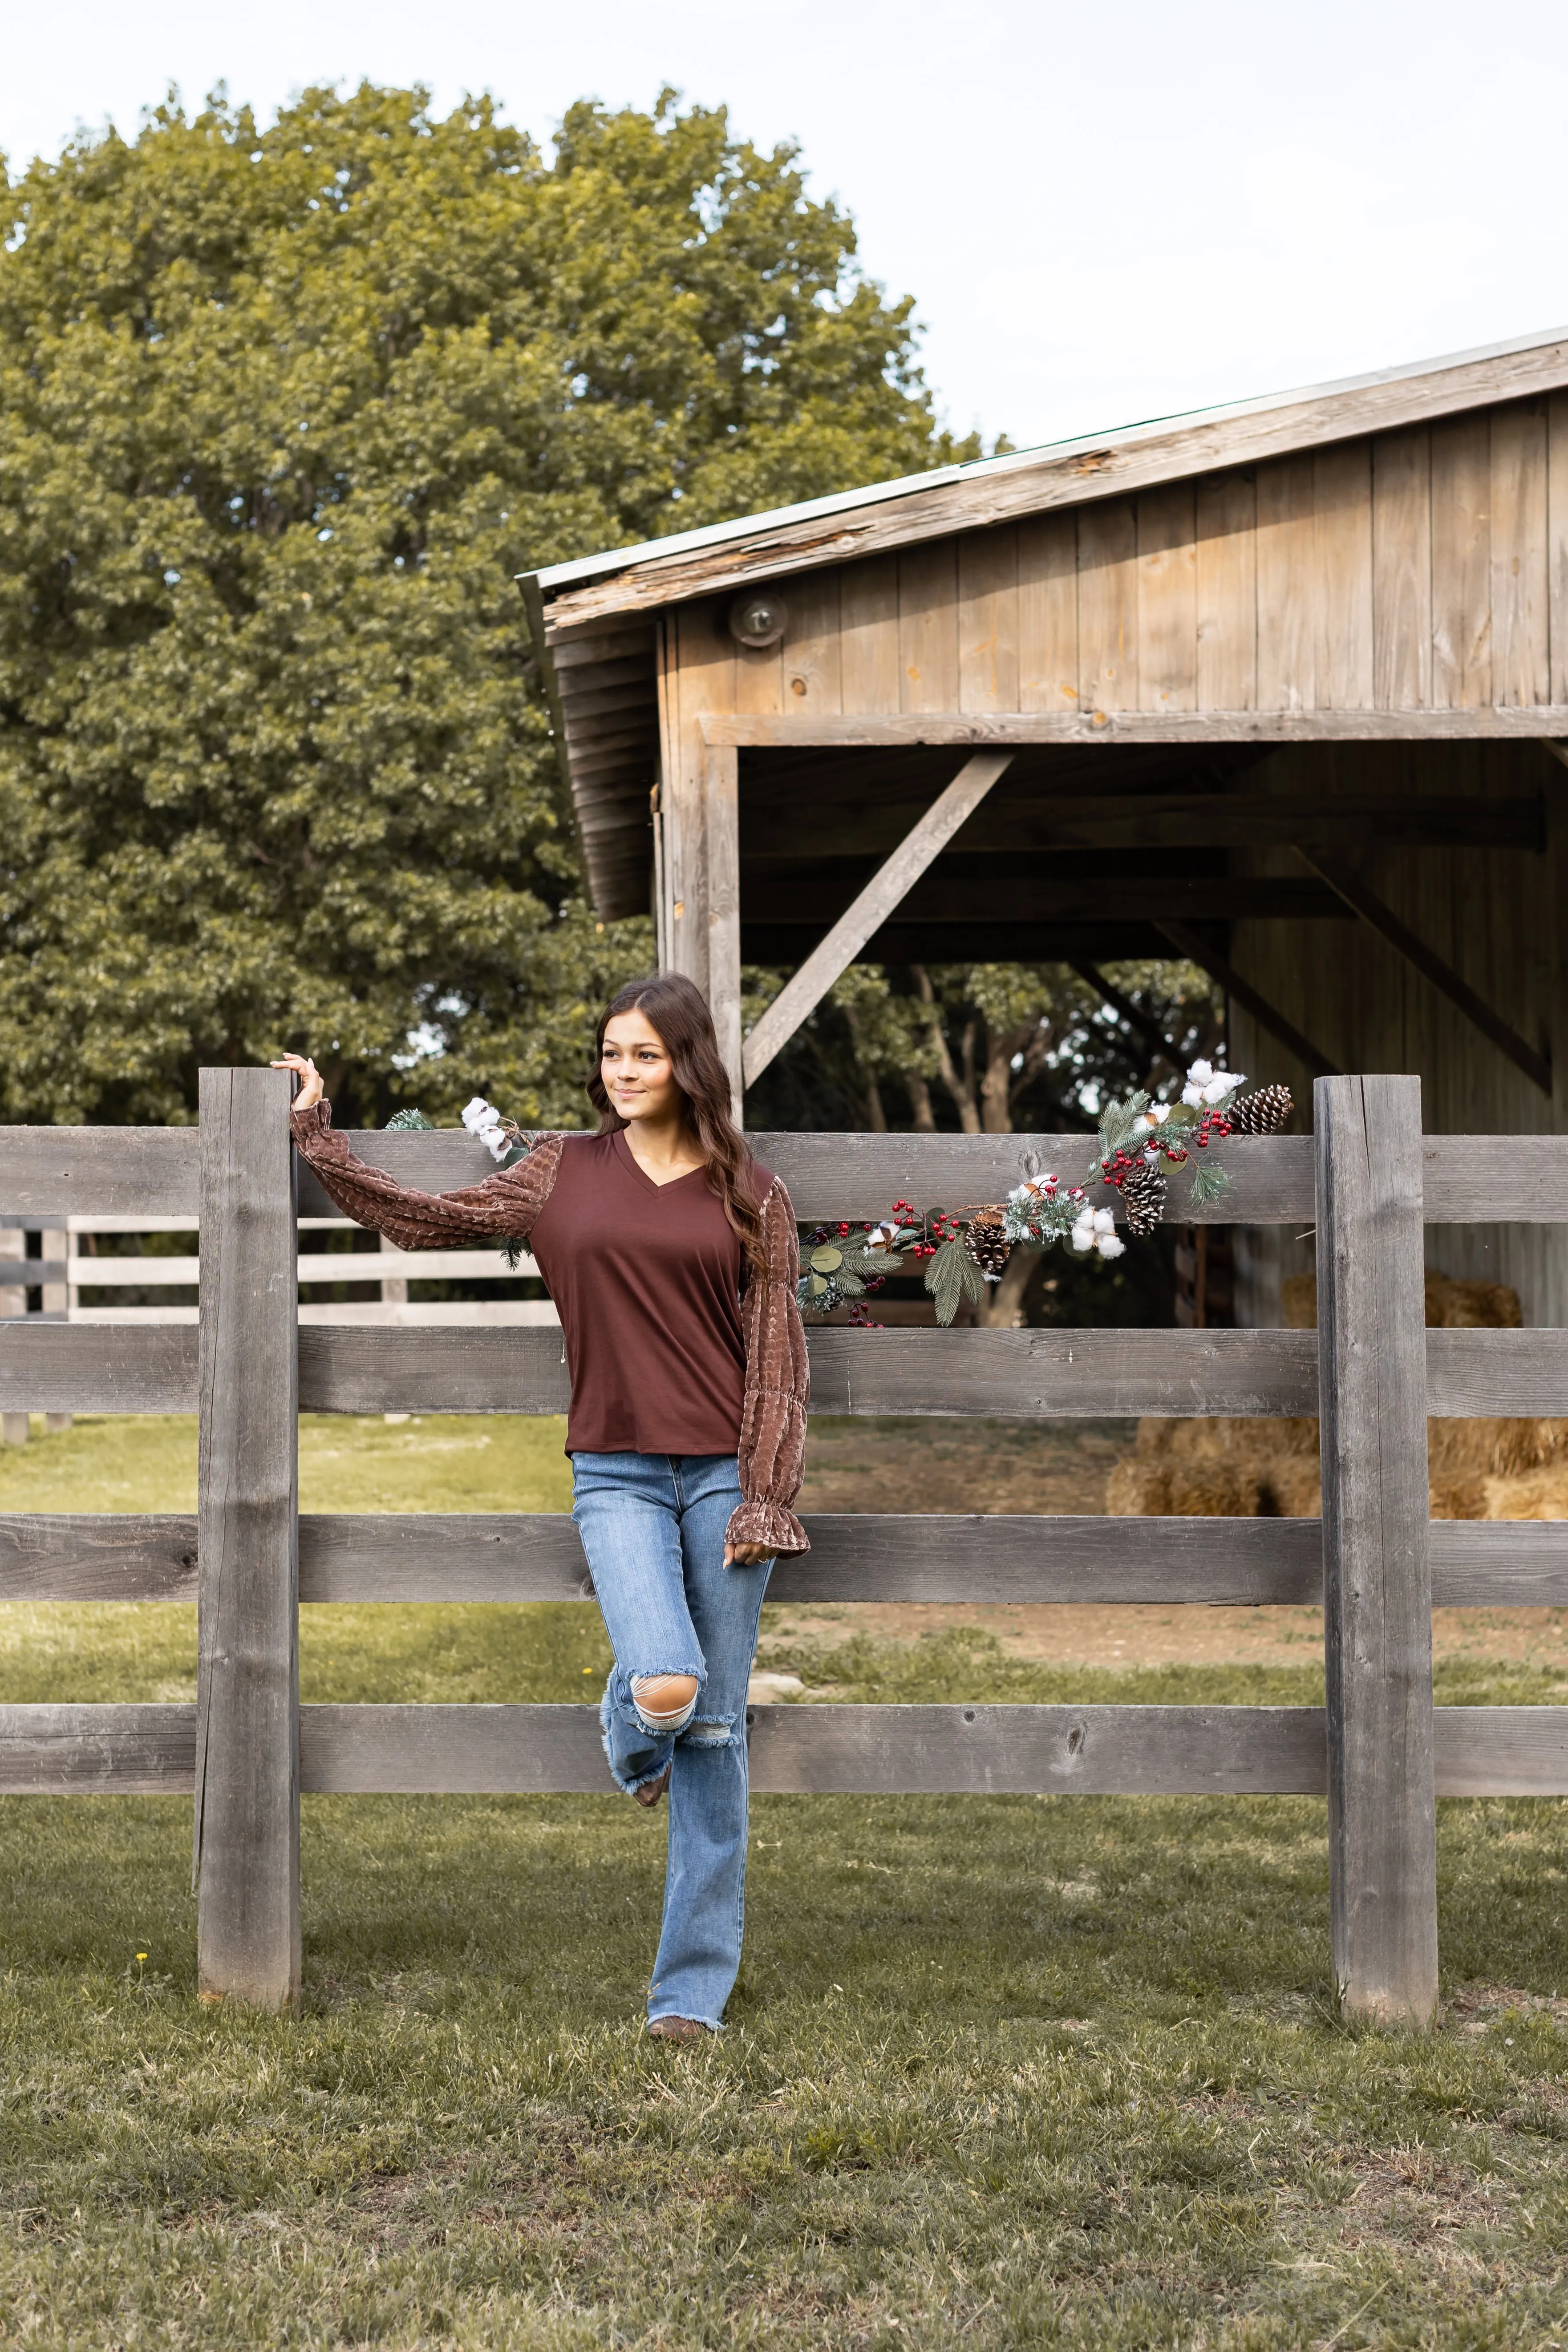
<point x="1426" y="569"/>
<point x="1497" y="917"/>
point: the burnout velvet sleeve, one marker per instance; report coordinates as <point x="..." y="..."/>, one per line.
<point x="502" y="1209"/>
<point x="778" y="1383"/>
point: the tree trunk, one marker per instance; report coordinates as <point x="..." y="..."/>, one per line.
<point x="997" y="1090"/>
<point x="962" y="1089"/>
<point x="1002" y="1307"/>
<point x="919" y="1100"/>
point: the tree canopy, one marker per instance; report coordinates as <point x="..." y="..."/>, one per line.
<point x="282" y="410"/>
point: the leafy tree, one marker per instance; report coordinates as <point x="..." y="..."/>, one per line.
<point x="282" y="412"/>
<point x="982" y="1047"/>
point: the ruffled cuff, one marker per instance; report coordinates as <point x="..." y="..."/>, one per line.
<point x="308" y="1125"/>
<point x="769" y="1524"/>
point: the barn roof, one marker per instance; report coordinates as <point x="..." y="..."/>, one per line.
<point x="592" y="620"/>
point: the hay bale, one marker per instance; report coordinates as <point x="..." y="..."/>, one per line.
<point x="1257" y="1467"/>
<point x="1178" y="1487"/>
<point x="1542" y="1495"/>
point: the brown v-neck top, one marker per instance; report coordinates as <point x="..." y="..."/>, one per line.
<point x="667" y="1354"/>
<point x="647" y="1280"/>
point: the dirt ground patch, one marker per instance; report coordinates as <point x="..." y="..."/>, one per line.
<point x="997" y="1466"/>
<point x="874" y="1464"/>
<point x="1072" y="1634"/>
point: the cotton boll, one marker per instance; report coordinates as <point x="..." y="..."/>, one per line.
<point x="1200" y="1073"/>
<point x="1104" y="1222"/>
<point x="1110" y="1244"/>
<point x="1193" y="1095"/>
<point x="1083" y="1236"/>
<point x="471" y="1113"/>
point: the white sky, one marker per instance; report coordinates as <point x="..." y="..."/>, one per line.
<point x="1105" y="213"/>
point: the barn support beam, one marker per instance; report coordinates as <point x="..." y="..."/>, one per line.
<point x="1197" y="949"/>
<point x="721" y="842"/>
<point x="1350" y="823"/>
<point x="876" y="902"/>
<point x="1382" y="918"/>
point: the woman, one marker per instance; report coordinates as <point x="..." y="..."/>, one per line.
<point x="671" y="1257"/>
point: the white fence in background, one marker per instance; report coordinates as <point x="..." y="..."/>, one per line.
<point x="62" y="1280"/>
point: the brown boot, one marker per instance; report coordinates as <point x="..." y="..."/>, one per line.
<point x="676" y="2029"/>
<point x="652" y="1791"/>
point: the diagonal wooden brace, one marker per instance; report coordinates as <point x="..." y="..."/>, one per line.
<point x="1382" y="918"/>
<point x="1197" y="949"/>
<point x="888" y="886"/>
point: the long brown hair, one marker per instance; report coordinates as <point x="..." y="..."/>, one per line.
<point x="676" y="1009"/>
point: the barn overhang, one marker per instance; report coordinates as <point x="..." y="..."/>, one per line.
<point x="1118" y="632"/>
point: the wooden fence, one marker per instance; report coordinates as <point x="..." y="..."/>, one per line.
<point x="1367" y="1180"/>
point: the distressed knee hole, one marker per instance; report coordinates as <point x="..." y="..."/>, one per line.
<point x="707" y="1734"/>
<point x="665" y="1701"/>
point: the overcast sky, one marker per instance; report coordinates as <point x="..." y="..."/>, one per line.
<point x="1104" y="214"/>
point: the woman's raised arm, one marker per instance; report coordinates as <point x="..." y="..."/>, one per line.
<point x="502" y="1209"/>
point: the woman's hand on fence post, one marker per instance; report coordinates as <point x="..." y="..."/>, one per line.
<point x="310" y="1077"/>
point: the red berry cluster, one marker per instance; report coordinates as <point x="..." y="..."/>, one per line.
<point x="1120" y="1166"/>
<point x="942" y="1228"/>
<point x="1212" y="1122"/>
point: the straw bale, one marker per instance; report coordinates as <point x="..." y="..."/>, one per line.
<point x="1204" y="1488"/>
<point x="1246" y="1469"/>
<point x="1542" y="1495"/>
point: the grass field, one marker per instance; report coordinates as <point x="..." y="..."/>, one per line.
<point x="1000" y="2073"/>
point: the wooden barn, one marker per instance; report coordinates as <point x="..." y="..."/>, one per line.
<point x="1281" y="688"/>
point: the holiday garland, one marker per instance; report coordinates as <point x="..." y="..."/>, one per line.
<point x="1138" y="1141"/>
<point x="961" y="1250"/>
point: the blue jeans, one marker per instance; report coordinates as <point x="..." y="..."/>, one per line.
<point x="653" y="1528"/>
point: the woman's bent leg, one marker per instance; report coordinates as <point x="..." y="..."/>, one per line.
<point x="704" y="1896"/>
<point x="627" y="1512"/>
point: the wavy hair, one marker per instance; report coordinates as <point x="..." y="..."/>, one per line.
<point x="676" y="1008"/>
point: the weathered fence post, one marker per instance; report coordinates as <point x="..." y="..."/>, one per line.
<point x="246" y="1856"/>
<point x="1378" y="1588"/>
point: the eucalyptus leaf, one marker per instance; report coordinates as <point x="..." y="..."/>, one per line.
<point x="816" y="1284"/>
<point x="825" y="1260"/>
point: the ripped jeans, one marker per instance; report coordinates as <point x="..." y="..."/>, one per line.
<point x="653" y="1528"/>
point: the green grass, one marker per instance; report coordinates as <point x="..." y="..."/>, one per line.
<point x="1001" y="2072"/>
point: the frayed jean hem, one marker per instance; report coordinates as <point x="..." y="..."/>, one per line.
<point x="713" y="2024"/>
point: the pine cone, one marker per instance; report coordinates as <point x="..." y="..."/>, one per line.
<point x="987" y="1243"/>
<point x="1143" y="1190"/>
<point x="1262" y="1112"/>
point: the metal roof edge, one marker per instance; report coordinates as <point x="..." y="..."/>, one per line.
<point x="552" y="577"/>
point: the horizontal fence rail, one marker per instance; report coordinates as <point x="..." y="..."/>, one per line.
<point x="118" y="1171"/>
<point x="505" y="1556"/>
<point x="883" y="1749"/>
<point x="1027" y="1375"/>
